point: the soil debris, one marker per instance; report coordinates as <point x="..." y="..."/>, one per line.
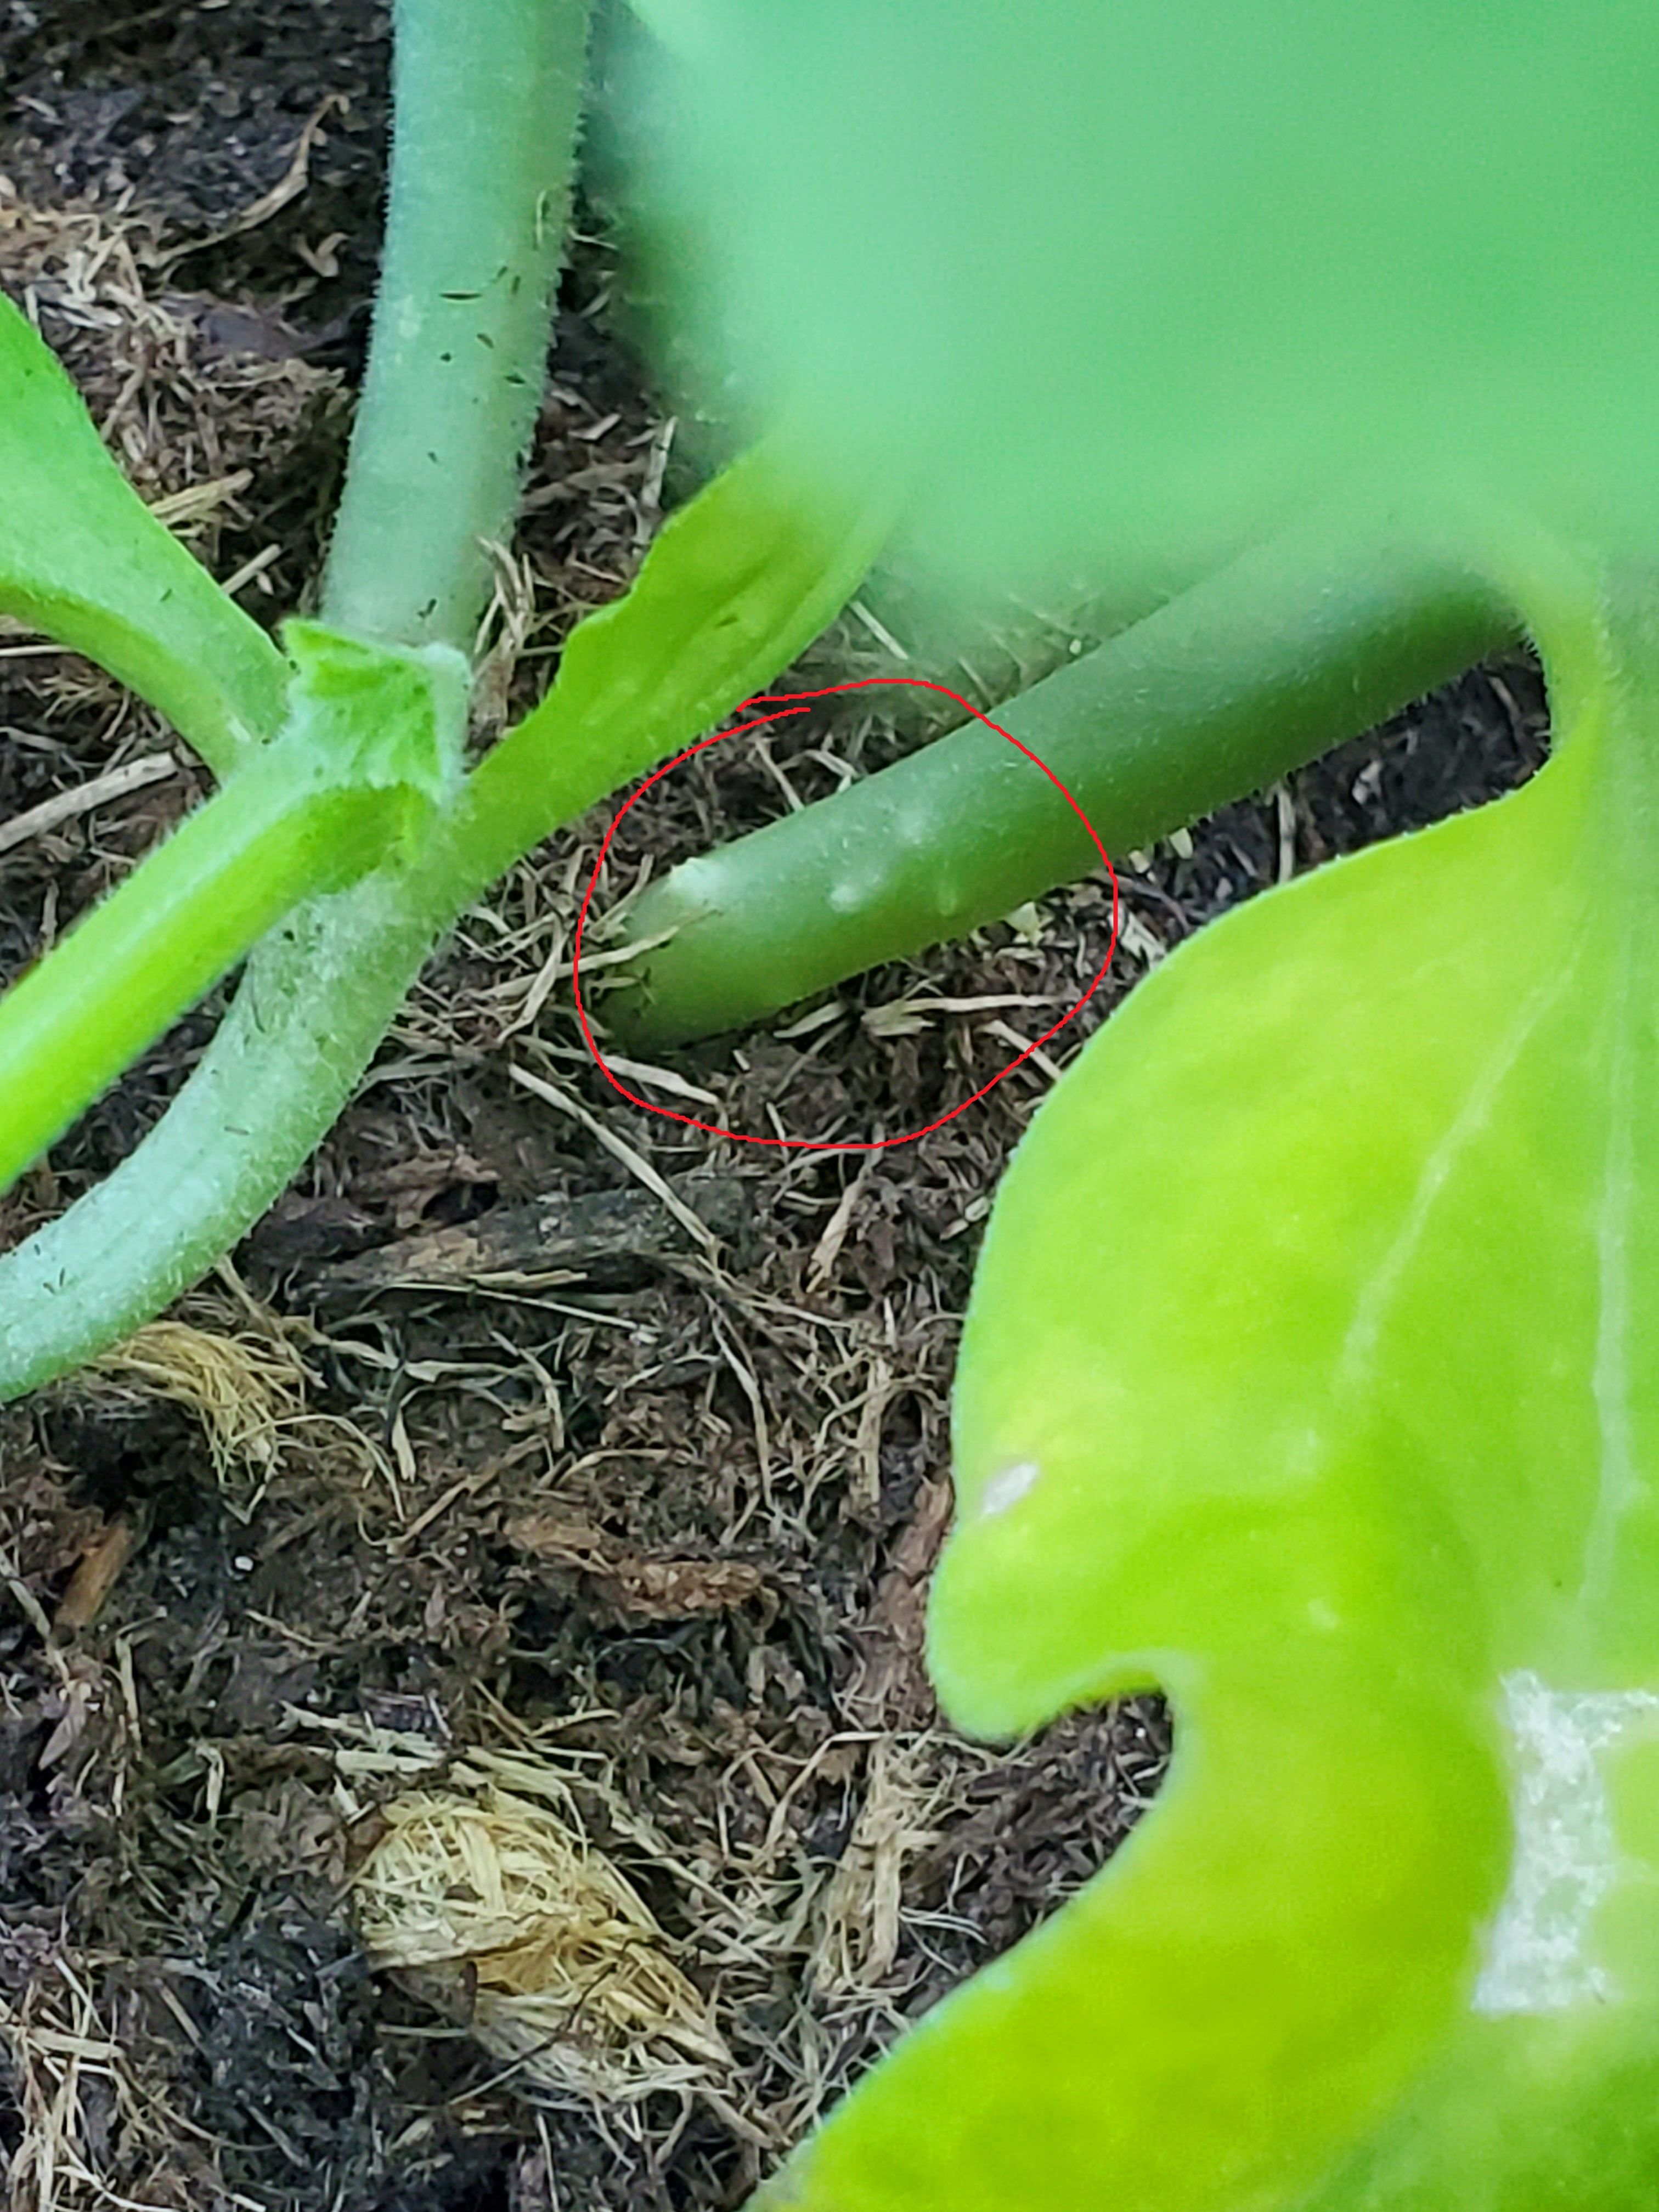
<point x="565" y="1975"/>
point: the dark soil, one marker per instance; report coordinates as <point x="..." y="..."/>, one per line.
<point x="351" y="1545"/>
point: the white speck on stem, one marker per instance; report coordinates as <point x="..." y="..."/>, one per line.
<point x="1007" y="1488"/>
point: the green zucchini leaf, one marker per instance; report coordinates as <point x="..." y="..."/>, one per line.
<point x="1312" y="1374"/>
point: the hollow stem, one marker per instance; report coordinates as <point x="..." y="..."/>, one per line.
<point x="144" y="955"/>
<point x="320" y="991"/>
<point x="487" y="98"/>
<point x="1292" y="648"/>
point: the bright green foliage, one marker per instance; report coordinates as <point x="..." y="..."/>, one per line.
<point x="82" y="558"/>
<point x="382" y="716"/>
<point x="370" y="750"/>
<point x="735" y="584"/>
<point x="1312" y="1372"/>
<point x="1147" y="280"/>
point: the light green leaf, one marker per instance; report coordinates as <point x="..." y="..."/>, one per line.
<point x="375" y="715"/>
<point x="1312" y="1373"/>
<point x="82" y="559"/>
<point x="738" y="582"/>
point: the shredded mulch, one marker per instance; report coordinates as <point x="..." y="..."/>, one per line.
<point x="527" y="1424"/>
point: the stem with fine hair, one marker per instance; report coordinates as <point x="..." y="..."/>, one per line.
<point x="146" y="955"/>
<point x="1294" y="647"/>
<point x="636" y="680"/>
<point x="487" y="102"/>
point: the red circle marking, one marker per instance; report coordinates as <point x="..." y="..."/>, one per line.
<point x="795" y="703"/>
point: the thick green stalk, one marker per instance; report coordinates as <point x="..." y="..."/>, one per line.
<point x="314" y="1002"/>
<point x="370" y="748"/>
<point x="145" y="956"/>
<point x="320" y="991"/>
<point x="486" y="100"/>
<point x="1293" y="647"/>
<point x="487" y="97"/>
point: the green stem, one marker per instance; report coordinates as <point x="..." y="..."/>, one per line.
<point x="320" y="991"/>
<point x="1288" y="651"/>
<point x="370" y="748"/>
<point x="315" y="1000"/>
<point x="487" y="97"/>
<point x="145" y="956"/>
<point x="486" y="100"/>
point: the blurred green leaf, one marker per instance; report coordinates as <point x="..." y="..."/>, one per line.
<point x="1148" y="280"/>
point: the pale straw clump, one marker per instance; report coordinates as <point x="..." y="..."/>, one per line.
<point x="565" y="1974"/>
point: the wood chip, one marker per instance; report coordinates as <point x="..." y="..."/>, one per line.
<point x="97" y="791"/>
<point x="637" y="1587"/>
<point x="603" y="1237"/>
<point x="99" y="1571"/>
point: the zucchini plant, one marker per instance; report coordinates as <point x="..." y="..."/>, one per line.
<point x="349" y="830"/>
<point x="1309" y="1370"/>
